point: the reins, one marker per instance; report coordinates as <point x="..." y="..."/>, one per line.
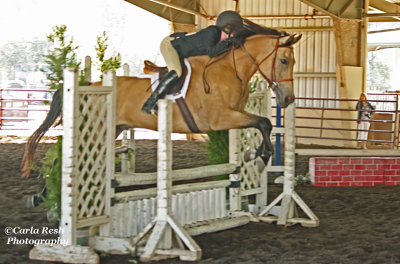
<point x="271" y="82"/>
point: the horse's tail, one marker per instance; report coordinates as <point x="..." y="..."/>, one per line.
<point x="33" y="141"/>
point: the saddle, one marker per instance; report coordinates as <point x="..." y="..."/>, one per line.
<point x="152" y="68"/>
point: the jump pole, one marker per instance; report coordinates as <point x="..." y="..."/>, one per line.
<point x="289" y="197"/>
<point x="168" y="239"/>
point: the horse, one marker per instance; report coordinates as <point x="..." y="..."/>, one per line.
<point x="217" y="94"/>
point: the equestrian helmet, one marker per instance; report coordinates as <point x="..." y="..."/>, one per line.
<point x="229" y="19"/>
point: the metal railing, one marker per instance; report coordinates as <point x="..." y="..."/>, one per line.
<point x="23" y="109"/>
<point x="343" y="119"/>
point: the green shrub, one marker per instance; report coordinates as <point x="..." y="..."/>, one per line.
<point x="51" y="172"/>
<point x="218" y="149"/>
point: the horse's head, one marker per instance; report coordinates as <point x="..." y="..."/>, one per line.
<point x="275" y="64"/>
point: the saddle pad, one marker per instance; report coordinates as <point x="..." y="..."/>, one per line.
<point x="182" y="93"/>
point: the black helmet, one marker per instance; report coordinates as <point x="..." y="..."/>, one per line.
<point x="231" y="19"/>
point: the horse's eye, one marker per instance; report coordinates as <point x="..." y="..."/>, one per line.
<point x="284" y="61"/>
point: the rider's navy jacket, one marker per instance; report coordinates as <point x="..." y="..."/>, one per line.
<point x="204" y="42"/>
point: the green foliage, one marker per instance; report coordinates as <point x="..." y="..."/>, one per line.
<point x="303" y="179"/>
<point x="51" y="172"/>
<point x="62" y="55"/>
<point x="113" y="62"/>
<point x="218" y="149"/>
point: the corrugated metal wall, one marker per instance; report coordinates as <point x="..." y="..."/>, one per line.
<point x="315" y="53"/>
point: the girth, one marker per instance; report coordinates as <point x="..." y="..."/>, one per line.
<point x="152" y="68"/>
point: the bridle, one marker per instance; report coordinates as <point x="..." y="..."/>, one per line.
<point x="272" y="83"/>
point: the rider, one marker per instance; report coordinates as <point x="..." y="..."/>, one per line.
<point x="210" y="41"/>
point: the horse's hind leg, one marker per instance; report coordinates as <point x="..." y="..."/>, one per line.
<point x="235" y="119"/>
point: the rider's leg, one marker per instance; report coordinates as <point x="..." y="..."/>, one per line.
<point x="172" y="59"/>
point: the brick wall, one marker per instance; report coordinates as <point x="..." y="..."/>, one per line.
<point x="354" y="171"/>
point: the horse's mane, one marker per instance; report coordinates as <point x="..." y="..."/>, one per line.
<point x="250" y="28"/>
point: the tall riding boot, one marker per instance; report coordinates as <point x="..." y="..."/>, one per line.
<point x="162" y="89"/>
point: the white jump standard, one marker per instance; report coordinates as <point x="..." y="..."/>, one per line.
<point x="167" y="234"/>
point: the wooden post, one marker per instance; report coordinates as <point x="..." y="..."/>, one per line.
<point x="69" y="251"/>
<point x="70" y="115"/>
<point x="168" y="238"/>
<point x="88" y="69"/>
<point x="235" y="200"/>
<point x="289" y="197"/>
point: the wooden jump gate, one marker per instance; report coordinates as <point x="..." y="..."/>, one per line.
<point x="89" y="181"/>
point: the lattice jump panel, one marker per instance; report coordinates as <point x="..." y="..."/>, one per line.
<point x="91" y="159"/>
<point x="251" y="138"/>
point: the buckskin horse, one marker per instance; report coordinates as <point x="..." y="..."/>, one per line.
<point x="217" y="94"/>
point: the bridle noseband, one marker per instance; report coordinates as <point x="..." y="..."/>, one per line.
<point x="272" y="83"/>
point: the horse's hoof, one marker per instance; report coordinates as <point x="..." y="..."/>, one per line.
<point x="266" y="158"/>
<point x="250" y="154"/>
<point x="260" y="165"/>
<point x="33" y="201"/>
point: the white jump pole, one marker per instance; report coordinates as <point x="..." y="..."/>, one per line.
<point x="289" y="197"/>
<point x="167" y="235"/>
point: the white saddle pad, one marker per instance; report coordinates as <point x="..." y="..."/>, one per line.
<point x="182" y="93"/>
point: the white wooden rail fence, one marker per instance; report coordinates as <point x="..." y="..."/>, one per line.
<point x="89" y="198"/>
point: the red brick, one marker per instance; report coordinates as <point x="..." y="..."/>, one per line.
<point x="320" y="184"/>
<point x="331" y="184"/>
<point x="395" y="166"/>
<point x="343" y="184"/>
<point x="334" y="173"/>
<point x="336" y="178"/>
<point x="348" y="167"/>
<point x="347" y="178"/>
<point x="356" y="161"/>
<point x="344" y="161"/>
<point x="379" y="172"/>
<point x="370" y="167"/>
<point x="330" y="160"/>
<point x="322" y="179"/>
<point x="376" y="178"/>
<point x="379" y="161"/>
<point x="368" y="183"/>
<point x="390" y="172"/>
<point x="394" y="178"/>
<point x="319" y="173"/>
<point x="360" y="178"/>
<point x="367" y="172"/>
<point x="355" y="172"/>
<point x="357" y="183"/>
<point x="390" y="161"/>
<point x="359" y="167"/>
<point x="392" y="183"/>
<point x="368" y="161"/>
<point x="397" y="161"/>
<point x="381" y="167"/>
<point x="324" y="167"/>
<point x="344" y="173"/>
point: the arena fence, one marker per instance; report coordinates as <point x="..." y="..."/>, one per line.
<point x="340" y="123"/>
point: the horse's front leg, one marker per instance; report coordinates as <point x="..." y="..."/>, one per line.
<point x="234" y="119"/>
<point x="265" y="150"/>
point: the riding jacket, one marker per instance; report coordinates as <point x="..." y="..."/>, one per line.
<point x="204" y="42"/>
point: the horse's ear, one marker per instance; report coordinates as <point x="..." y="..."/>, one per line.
<point x="297" y="37"/>
<point x="289" y="40"/>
